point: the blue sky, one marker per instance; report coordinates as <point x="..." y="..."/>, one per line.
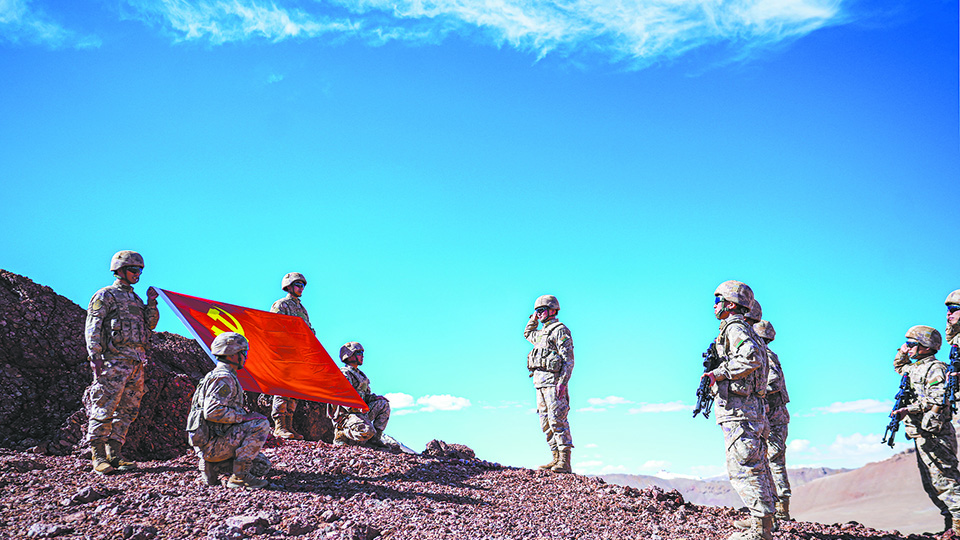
<point x="433" y="167"/>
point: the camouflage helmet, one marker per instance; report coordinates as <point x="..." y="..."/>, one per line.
<point x="290" y="278"/>
<point x="953" y="298"/>
<point x="755" y="313"/>
<point x="737" y="292"/>
<point x="927" y="336"/>
<point x="765" y="330"/>
<point x="229" y="343"/>
<point x="349" y="349"/>
<point x="547" y="300"/>
<point x="125" y="258"/>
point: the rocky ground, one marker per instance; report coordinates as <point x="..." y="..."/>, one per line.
<point x="321" y="491"/>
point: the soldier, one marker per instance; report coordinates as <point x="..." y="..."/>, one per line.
<point x="953" y="318"/>
<point x="117" y="335"/>
<point x="928" y="422"/>
<point x="551" y="365"/>
<point x="779" y="419"/>
<point x="740" y="383"/>
<point x="284" y="407"/>
<point x="352" y="425"/>
<point x="226" y="436"/>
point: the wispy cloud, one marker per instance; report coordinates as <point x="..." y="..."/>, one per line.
<point x="22" y="22"/>
<point x="858" y="406"/>
<point x="609" y="400"/>
<point x="856" y="448"/>
<point x="636" y="33"/>
<point x="672" y="406"/>
<point x="405" y="403"/>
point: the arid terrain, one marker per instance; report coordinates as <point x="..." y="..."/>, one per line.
<point x="318" y="490"/>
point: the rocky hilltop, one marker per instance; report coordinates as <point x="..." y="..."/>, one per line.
<point x="316" y="490"/>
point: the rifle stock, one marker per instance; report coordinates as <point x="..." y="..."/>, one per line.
<point x="902" y="399"/>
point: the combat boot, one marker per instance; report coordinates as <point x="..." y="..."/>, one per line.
<point x="760" y="529"/>
<point x="548" y="466"/>
<point x="563" y="461"/>
<point x="376" y="441"/>
<point x="280" y="430"/>
<point x="241" y="476"/>
<point x="210" y="472"/>
<point x="116" y="461"/>
<point x="296" y="435"/>
<point x="783" y="509"/>
<point x="99" y="460"/>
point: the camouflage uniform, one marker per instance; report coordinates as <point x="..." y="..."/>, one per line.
<point x="740" y="409"/>
<point x="356" y="425"/>
<point x="929" y="424"/>
<point x="551" y="365"/>
<point x="288" y="305"/>
<point x="118" y="328"/>
<point x="216" y="427"/>
<point x="778" y="418"/>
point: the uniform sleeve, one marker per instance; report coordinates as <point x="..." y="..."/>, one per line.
<point x="530" y="332"/>
<point x="775" y="375"/>
<point x="151" y="315"/>
<point x="93" y="331"/>
<point x="220" y="403"/>
<point x="935" y="383"/>
<point x="900" y="362"/>
<point x="565" y="349"/>
<point x="277" y="307"/>
<point x="745" y="356"/>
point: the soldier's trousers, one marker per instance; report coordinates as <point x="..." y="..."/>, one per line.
<point x="240" y="442"/>
<point x="747" y="465"/>
<point x="553" y="410"/>
<point x="282" y="405"/>
<point x="937" y="461"/>
<point x="361" y="427"/>
<point x="777" y="456"/>
<point x="113" y="399"/>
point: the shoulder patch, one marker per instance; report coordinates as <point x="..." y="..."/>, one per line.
<point x="97" y="303"/>
<point x="223" y="391"/>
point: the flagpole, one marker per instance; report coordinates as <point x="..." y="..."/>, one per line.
<point x="176" y="311"/>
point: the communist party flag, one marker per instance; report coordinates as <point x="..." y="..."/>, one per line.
<point x="285" y="357"/>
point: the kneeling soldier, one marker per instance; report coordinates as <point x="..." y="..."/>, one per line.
<point x="352" y="425"/>
<point x="224" y="434"/>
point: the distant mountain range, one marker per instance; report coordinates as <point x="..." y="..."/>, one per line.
<point x="886" y="495"/>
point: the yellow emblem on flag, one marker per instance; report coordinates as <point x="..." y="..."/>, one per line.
<point x="228" y="320"/>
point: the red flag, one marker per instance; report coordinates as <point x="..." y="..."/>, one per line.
<point x="285" y="357"/>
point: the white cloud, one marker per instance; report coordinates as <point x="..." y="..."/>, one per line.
<point x="400" y="401"/>
<point x="21" y="22"/>
<point x="608" y="401"/>
<point x="273" y="78"/>
<point x="444" y="402"/>
<point x="592" y="409"/>
<point x="402" y="404"/>
<point x="672" y="406"/>
<point x="637" y="32"/>
<point x="592" y="445"/>
<point x="858" y="406"/>
<point x="655" y="464"/>
<point x="798" y="445"/>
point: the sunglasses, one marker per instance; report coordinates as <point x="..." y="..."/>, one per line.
<point x="541" y="309"/>
<point x="717" y="300"/>
<point x="132" y="269"/>
<point x="912" y="344"/>
<point x="952" y="308"/>
<point x="299" y="284"/>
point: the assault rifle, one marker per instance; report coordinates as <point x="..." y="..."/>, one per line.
<point x="950" y="396"/>
<point x="903" y="398"/>
<point x="704" y="398"/>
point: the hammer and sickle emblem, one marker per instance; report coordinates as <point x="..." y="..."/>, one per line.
<point x="228" y="320"/>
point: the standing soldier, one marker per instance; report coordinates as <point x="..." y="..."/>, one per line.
<point x="928" y="421"/>
<point x="117" y="335"/>
<point x="350" y="424"/>
<point x="283" y="407"/>
<point x="740" y="383"/>
<point x="551" y="365"/>
<point x="779" y="418"/>
<point x="226" y="436"/>
<point x="953" y="319"/>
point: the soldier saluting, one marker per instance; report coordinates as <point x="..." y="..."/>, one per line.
<point x="551" y="366"/>
<point x="117" y="335"/>
<point x="927" y="420"/>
